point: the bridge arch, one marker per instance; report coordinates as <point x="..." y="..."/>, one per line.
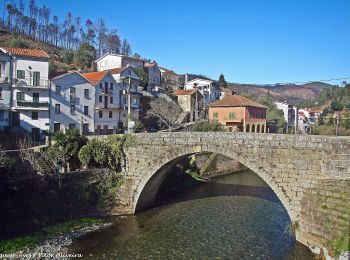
<point x="145" y="193"/>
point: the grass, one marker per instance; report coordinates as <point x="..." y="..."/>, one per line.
<point x="19" y="243"/>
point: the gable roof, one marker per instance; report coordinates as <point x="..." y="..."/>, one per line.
<point x="62" y="75"/>
<point x="117" y="70"/>
<point x="26" y="52"/>
<point x="209" y="80"/>
<point x="95" y="77"/>
<point x="149" y="65"/>
<point x="236" y="101"/>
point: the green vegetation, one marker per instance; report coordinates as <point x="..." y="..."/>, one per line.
<point x="85" y="56"/>
<point x="20" y="243"/>
<point x="143" y="76"/>
<point x="206" y="126"/>
<point x="138" y="127"/>
<point x="65" y="148"/>
<point x="222" y="81"/>
<point x="106" y="153"/>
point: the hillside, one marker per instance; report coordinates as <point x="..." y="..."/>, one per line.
<point x="7" y="40"/>
<point x="291" y="93"/>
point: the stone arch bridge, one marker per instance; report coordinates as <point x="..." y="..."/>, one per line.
<point x="309" y="174"/>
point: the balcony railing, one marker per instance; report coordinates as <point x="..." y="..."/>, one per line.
<point x="106" y="106"/>
<point x="30" y="82"/>
<point x="74" y="100"/>
<point x="32" y="104"/>
<point x="4" y="80"/>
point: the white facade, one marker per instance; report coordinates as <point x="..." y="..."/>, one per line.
<point x="290" y="113"/>
<point x="107" y="105"/>
<point x="72" y="103"/>
<point x="206" y="87"/>
<point x="31" y="95"/>
<point x="122" y="77"/>
<point x="111" y="61"/>
<point x="5" y="90"/>
<point x="154" y="77"/>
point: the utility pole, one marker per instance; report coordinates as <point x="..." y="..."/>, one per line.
<point x="336" y="124"/>
<point x="129" y="98"/>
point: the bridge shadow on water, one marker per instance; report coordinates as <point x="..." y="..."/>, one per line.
<point x="193" y="189"/>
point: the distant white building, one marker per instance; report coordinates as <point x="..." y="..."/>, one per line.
<point x="107" y="102"/>
<point x="30" y="90"/>
<point x="5" y="90"/>
<point x="111" y="61"/>
<point x="72" y="103"/>
<point x="129" y="84"/>
<point x="290" y="113"/>
<point x="207" y="87"/>
<point x="154" y="77"/>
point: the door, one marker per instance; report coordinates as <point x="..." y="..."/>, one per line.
<point x="105" y="130"/>
<point x="56" y="127"/>
<point x="85" y="129"/>
<point x="106" y="101"/>
<point x="98" y="130"/>
<point x="15" y="119"/>
<point x="35" y="135"/>
<point x="36" y="97"/>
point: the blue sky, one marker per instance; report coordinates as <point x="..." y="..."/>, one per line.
<point x="250" y="41"/>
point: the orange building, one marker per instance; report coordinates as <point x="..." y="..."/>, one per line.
<point x="238" y="113"/>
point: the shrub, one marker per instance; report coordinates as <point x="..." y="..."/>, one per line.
<point x="18" y="43"/>
<point x="206" y="126"/>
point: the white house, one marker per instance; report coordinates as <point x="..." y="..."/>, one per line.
<point x="290" y="113"/>
<point x="30" y="69"/>
<point x="129" y="83"/>
<point x="154" y="77"/>
<point x="111" y="61"/>
<point x="5" y="90"/>
<point x="72" y="103"/>
<point x="107" y="102"/>
<point x="208" y="88"/>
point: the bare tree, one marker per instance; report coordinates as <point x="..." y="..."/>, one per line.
<point x="27" y="154"/>
<point x="167" y="113"/>
<point x="111" y="43"/>
<point x="101" y="31"/>
<point x="126" y="48"/>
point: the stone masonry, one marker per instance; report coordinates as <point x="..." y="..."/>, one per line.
<point x="298" y="168"/>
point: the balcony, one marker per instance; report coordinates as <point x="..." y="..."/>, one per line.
<point x="31" y="105"/>
<point x="74" y="100"/>
<point x="30" y="83"/>
<point x="4" y="80"/>
<point x="132" y="93"/>
<point x="107" y="92"/>
<point x="100" y="106"/>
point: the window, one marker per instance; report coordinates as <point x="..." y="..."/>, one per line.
<point x="86" y="110"/>
<point x="125" y="101"/>
<point x="100" y="114"/>
<point x="111" y="100"/>
<point x="20" y="96"/>
<point x="110" y="114"/>
<point x="215" y="115"/>
<point x="35" y="97"/>
<point x="72" y="93"/>
<point x="86" y="93"/>
<point x="36" y="78"/>
<point x="100" y="99"/>
<point x="2" y="116"/>
<point x="71" y="126"/>
<point x="134" y="101"/>
<point x="20" y="74"/>
<point x="72" y="109"/>
<point x="58" y="90"/>
<point x="106" y="86"/>
<point x="111" y="86"/>
<point x="35" y="115"/>
<point x="232" y="115"/>
<point x="57" y="109"/>
<point x="0" y="92"/>
<point x="129" y="72"/>
<point x="101" y="86"/>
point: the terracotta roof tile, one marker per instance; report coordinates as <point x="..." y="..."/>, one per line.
<point x="236" y="101"/>
<point x="183" y="92"/>
<point x="26" y="52"/>
<point x="148" y="65"/>
<point x="95" y="77"/>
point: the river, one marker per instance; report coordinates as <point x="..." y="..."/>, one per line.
<point x="236" y="216"/>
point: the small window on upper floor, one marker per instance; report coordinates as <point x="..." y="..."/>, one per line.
<point x="20" y="74"/>
<point x="100" y="114"/>
<point x="86" y="93"/>
<point x="0" y="92"/>
<point x="129" y="72"/>
<point x="58" y="90"/>
<point x="232" y="115"/>
<point x="215" y="115"/>
<point x="101" y="86"/>
<point x="111" y="86"/>
<point x="111" y="100"/>
<point x="72" y="109"/>
<point x="100" y="98"/>
<point x="110" y="113"/>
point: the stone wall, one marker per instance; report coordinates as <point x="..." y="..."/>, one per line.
<point x="292" y="165"/>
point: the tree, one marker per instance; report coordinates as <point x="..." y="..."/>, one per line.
<point x="143" y="77"/>
<point x="126" y="48"/>
<point x="137" y="56"/>
<point x="275" y="120"/>
<point x="222" y="81"/>
<point x="337" y="106"/>
<point x="101" y="31"/>
<point x="206" y="126"/>
<point x="65" y="149"/>
<point x="138" y="127"/>
<point x="165" y="112"/>
<point x="85" y="56"/>
<point x="111" y="43"/>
